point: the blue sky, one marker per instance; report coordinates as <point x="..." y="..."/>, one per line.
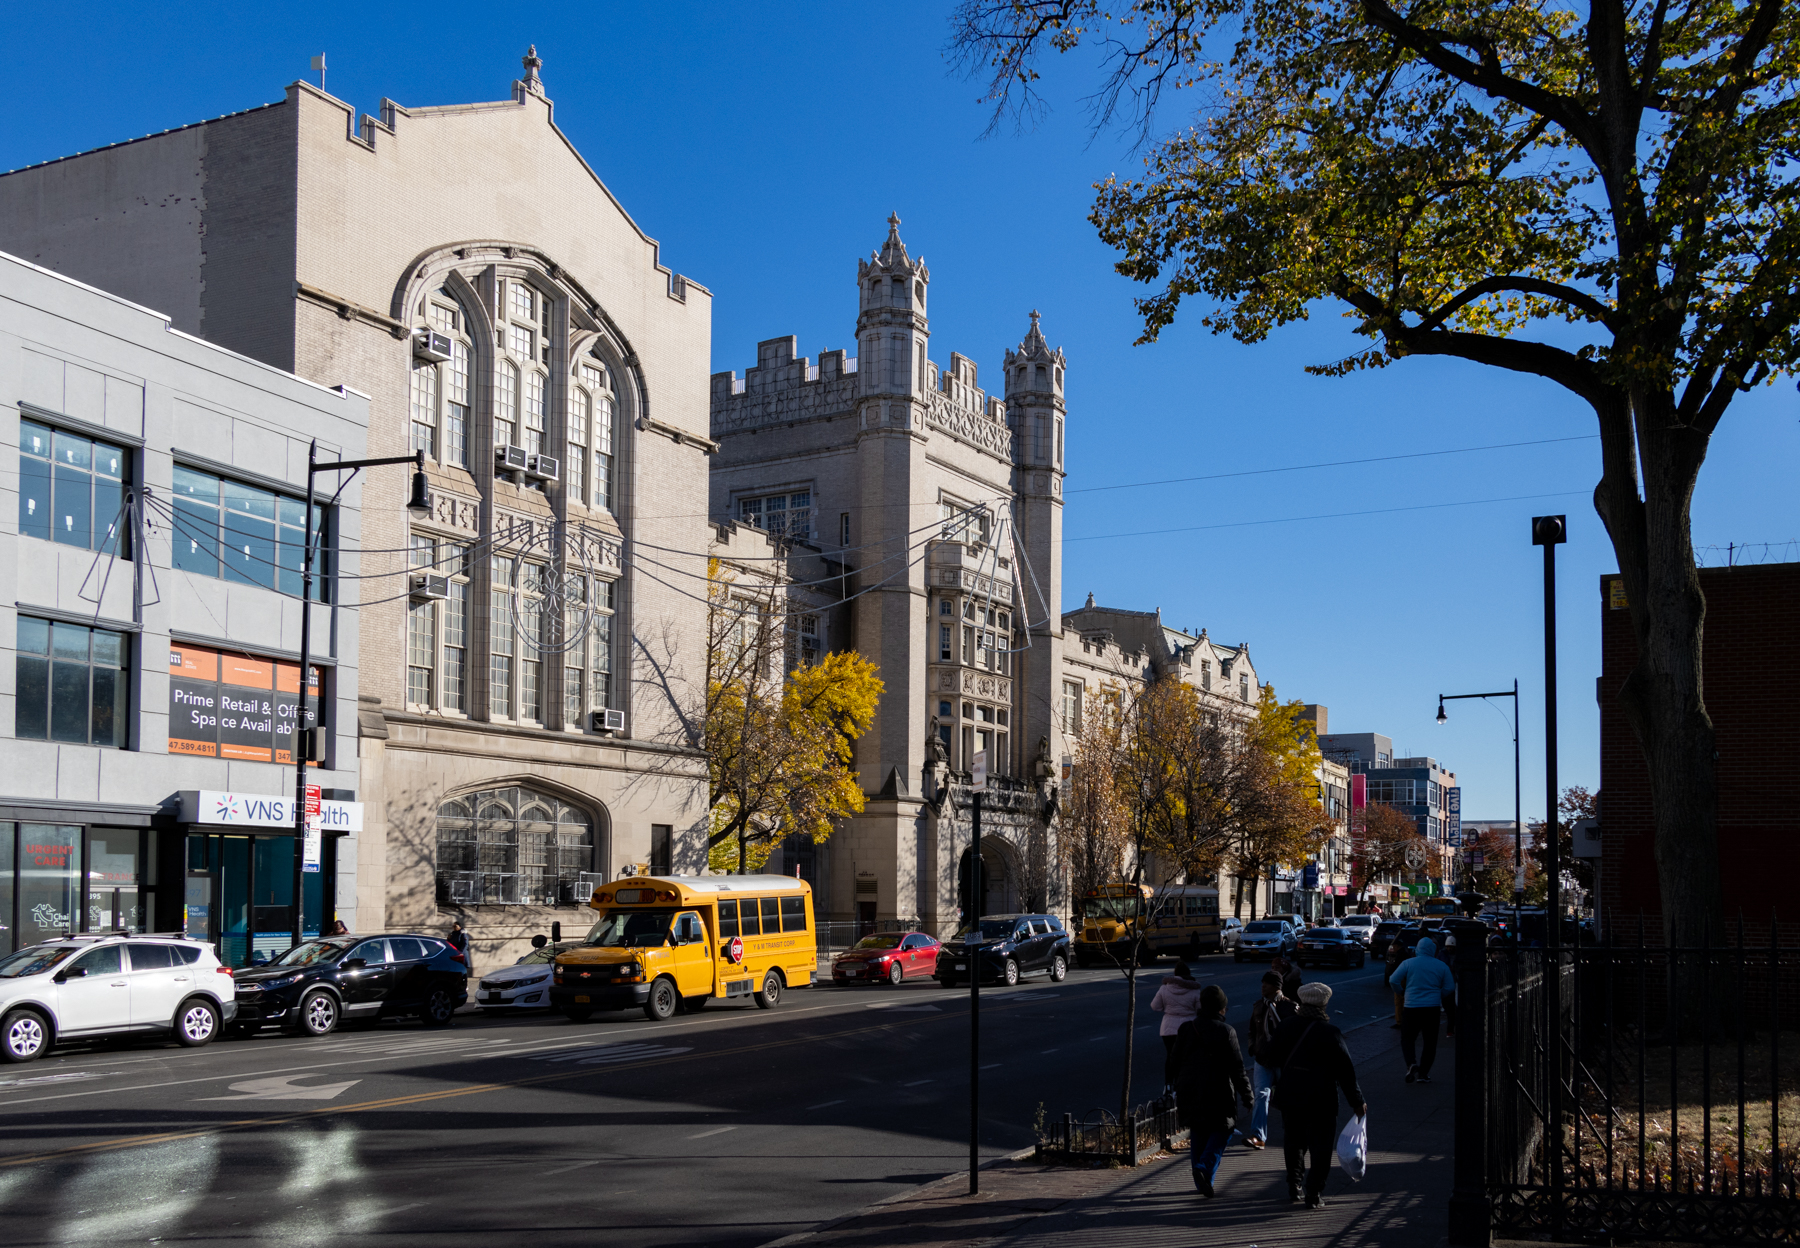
<point x="764" y="146"/>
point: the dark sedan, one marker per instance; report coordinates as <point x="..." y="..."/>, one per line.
<point x="311" y="988"/>
<point x="1384" y="933"/>
<point x="1009" y="945"/>
<point x="890" y="957"/>
<point x="1400" y="948"/>
<point x="1330" y="946"/>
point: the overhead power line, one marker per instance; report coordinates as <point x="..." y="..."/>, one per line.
<point x="1335" y="463"/>
<point x="1333" y="515"/>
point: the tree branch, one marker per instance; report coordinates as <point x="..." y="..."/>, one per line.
<point x="1527" y="285"/>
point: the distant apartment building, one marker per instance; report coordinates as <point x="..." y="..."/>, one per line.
<point x="152" y="522"/>
<point x="1419" y="787"/>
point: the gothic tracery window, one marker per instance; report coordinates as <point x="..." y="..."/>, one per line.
<point x="514" y="846"/>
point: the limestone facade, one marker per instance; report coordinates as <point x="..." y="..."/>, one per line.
<point x="466" y="269"/>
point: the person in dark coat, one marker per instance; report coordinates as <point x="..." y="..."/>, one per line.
<point x="1290" y="976"/>
<point x="1314" y="1063"/>
<point x="459" y="939"/>
<point x="1206" y="1069"/>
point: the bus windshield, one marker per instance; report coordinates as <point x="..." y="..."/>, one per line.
<point x="1111" y="908"/>
<point x="631" y="929"/>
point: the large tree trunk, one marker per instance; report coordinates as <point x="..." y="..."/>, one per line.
<point x="1663" y="696"/>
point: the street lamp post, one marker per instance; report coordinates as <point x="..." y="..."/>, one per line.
<point x="306" y="745"/>
<point x="1518" y="824"/>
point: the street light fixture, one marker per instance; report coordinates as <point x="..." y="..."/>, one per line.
<point x="307" y="740"/>
<point x="1518" y="826"/>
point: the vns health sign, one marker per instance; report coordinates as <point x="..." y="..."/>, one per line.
<point x="257" y="810"/>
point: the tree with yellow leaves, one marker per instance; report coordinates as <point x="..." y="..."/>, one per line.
<point x="1277" y="818"/>
<point x="777" y="742"/>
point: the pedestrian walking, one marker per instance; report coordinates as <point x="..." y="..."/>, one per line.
<point x="1271" y="1010"/>
<point x="1422" y="986"/>
<point x="1206" y="1069"/>
<point x="1315" y="1063"/>
<point x="459" y="940"/>
<point x="1290" y="976"/>
<point x="1178" y="1000"/>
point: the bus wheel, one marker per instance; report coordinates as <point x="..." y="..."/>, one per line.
<point x="770" y="996"/>
<point x="661" y="1002"/>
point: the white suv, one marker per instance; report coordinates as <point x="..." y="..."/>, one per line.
<point x="83" y="987"/>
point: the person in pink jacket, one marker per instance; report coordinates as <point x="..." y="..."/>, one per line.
<point x="1178" y="1000"/>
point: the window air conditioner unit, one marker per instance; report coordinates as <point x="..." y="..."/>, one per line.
<point x="430" y="588"/>
<point x="609" y="721"/>
<point x="583" y="890"/>
<point x="510" y="459"/>
<point x="542" y="467"/>
<point x="431" y="345"/>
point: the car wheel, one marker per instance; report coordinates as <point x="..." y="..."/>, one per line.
<point x="661" y="1002"/>
<point x="318" y="1013"/>
<point x="770" y="996"/>
<point x="196" y="1023"/>
<point x="693" y="1005"/>
<point x="1059" y="969"/>
<point x="578" y="1014"/>
<point x="440" y="1008"/>
<point x="1010" y="972"/>
<point x="896" y="973"/>
<point x="24" y="1035"/>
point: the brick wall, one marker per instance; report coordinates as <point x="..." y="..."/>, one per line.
<point x="1752" y="682"/>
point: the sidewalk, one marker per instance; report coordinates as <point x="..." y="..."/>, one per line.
<point x="1402" y="1202"/>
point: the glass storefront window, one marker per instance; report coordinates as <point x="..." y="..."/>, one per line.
<point x="114" y="871"/>
<point x="49" y="880"/>
<point x="239" y="893"/>
<point x="8" y="863"/>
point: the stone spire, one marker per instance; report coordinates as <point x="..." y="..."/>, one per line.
<point x="893" y="251"/>
<point x="533" y="62"/>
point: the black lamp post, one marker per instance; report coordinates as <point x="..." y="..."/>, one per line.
<point x="1551" y="532"/>
<point x="1518" y="824"/>
<point x="307" y="741"/>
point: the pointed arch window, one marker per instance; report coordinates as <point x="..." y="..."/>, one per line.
<point x="591" y="434"/>
<point x="439" y="390"/>
<point x="515" y="846"/>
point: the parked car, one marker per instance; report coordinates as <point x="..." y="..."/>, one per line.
<point x="1400" y="948"/>
<point x="312" y="987"/>
<point x="525" y="985"/>
<point x="1330" y="946"/>
<point x="1010" y="945"/>
<point x="86" y="987"/>
<point x="1361" y="927"/>
<point x="1265" y="938"/>
<point x="1385" y="931"/>
<point x="1229" y="931"/>
<point x="891" y="956"/>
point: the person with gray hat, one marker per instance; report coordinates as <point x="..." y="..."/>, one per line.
<point x="1315" y="1063"/>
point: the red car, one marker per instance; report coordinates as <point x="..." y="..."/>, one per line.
<point x="893" y="956"/>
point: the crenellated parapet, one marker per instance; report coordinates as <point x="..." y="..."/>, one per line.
<point x="783" y="389"/>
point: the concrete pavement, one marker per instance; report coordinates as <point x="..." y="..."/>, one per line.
<point x="1401" y="1202"/>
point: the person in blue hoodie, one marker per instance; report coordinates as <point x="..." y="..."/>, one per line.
<point x="1422" y="986"/>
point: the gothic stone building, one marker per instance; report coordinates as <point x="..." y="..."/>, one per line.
<point x="942" y="507"/>
<point x="520" y="728"/>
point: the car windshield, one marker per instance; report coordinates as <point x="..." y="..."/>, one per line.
<point x="34" y="961"/>
<point x="537" y="956"/>
<point x="1357" y="920"/>
<point x="1264" y="929"/>
<point x="313" y="952"/>
<point x="878" y="942"/>
<point x="631" y="929"/>
<point x="991" y="929"/>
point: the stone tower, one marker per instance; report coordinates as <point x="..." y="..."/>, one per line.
<point x="1034" y="404"/>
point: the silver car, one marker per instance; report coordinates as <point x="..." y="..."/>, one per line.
<point x="1360" y="926"/>
<point x="1265" y="938"/>
<point x="525" y="985"/>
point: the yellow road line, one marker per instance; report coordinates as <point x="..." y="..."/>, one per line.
<point x="275" y="1120"/>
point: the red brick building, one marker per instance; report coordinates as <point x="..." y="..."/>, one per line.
<point x="1752" y="672"/>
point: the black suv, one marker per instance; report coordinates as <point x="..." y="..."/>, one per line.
<point x="1385" y="931"/>
<point x="311" y="988"/>
<point x="1010" y="945"/>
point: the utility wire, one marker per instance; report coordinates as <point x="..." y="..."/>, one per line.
<point x="1334" y="515"/>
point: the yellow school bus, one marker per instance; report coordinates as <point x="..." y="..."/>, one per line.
<point x="676" y="942"/>
<point x="1183" y="919"/>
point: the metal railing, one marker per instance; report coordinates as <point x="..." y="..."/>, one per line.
<point x="1099" y="1136"/>
<point x="1628" y="1091"/>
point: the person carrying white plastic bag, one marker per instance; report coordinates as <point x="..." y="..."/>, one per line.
<point x="1315" y="1064"/>
<point x="1353" y="1146"/>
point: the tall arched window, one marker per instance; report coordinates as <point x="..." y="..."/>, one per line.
<point x="591" y="434"/>
<point x="520" y="384"/>
<point x="514" y="846"/>
<point x="506" y="404"/>
<point x="440" y="389"/>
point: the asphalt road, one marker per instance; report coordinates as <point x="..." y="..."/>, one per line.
<point x="732" y="1127"/>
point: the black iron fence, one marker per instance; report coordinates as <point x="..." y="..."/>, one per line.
<point x="1613" y="1092"/>
<point x="1101" y="1137"/>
